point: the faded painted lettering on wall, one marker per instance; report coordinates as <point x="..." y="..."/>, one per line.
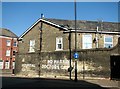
<point x="55" y="64"/>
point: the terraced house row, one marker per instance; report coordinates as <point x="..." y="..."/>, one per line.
<point x="8" y="48"/>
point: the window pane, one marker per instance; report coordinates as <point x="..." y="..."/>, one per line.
<point x="7" y="65"/>
<point x="108" y="42"/>
<point x="7" y="52"/>
<point x="108" y="45"/>
<point x="32" y="46"/>
<point x="13" y="64"/>
<point x="15" y="44"/>
<point x="1" y="64"/>
<point x="59" y="46"/>
<point x="108" y="39"/>
<point x="88" y="45"/>
<point x="59" y="40"/>
<point x="59" y="43"/>
<point x="8" y="42"/>
<point x="32" y="42"/>
<point x="87" y="41"/>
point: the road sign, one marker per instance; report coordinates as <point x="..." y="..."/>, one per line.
<point x="76" y="55"/>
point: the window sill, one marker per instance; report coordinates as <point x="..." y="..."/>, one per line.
<point x="7" y="56"/>
<point x="58" y="49"/>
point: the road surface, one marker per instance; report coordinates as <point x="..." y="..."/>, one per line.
<point x="43" y="83"/>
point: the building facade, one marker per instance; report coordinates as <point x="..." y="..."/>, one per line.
<point x="44" y="48"/>
<point x="52" y="36"/>
<point x="9" y="46"/>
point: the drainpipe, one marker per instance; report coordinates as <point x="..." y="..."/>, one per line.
<point x="70" y="68"/>
<point x="97" y="38"/>
<point x="11" y="53"/>
<point x="40" y="45"/>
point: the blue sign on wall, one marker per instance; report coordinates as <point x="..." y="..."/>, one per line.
<point x="76" y="55"/>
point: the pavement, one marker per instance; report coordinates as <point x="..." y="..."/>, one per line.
<point x="15" y="82"/>
<point x="104" y="82"/>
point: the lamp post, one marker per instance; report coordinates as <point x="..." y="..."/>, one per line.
<point x="70" y="68"/>
<point x="75" y="12"/>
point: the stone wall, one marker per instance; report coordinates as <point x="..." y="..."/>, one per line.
<point x="33" y="34"/>
<point x="49" y="34"/>
<point x="101" y="38"/>
<point x="91" y="63"/>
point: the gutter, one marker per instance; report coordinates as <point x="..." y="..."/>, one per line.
<point x="100" y="32"/>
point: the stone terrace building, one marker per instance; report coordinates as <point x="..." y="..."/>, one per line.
<point x="96" y="33"/>
<point x="44" y="47"/>
<point x="90" y="34"/>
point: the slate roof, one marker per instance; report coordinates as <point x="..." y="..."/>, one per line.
<point x="81" y="25"/>
<point x="86" y="25"/>
<point x="45" y="21"/>
<point x="7" y="33"/>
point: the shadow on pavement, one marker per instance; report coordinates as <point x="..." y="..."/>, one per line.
<point x="45" y="83"/>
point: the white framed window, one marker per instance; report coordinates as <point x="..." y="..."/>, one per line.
<point x="87" y="41"/>
<point x="108" y="41"/>
<point x="15" y="44"/>
<point x="13" y="65"/>
<point x="7" y="52"/>
<point x="32" y="46"/>
<point x="7" y="64"/>
<point x="8" y="42"/>
<point x="1" y="64"/>
<point x="59" y="43"/>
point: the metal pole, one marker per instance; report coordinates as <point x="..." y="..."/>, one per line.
<point x="70" y="51"/>
<point x="83" y="69"/>
<point x="75" y="41"/>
